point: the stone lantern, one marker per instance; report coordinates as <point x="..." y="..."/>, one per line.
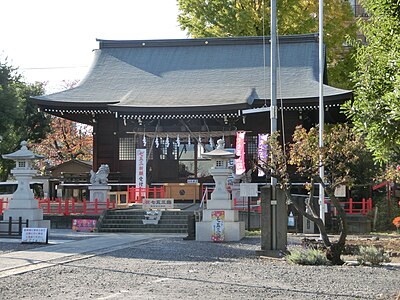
<point x="23" y="203"/>
<point x="220" y="221"/>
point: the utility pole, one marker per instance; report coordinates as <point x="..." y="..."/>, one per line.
<point x="321" y="108"/>
<point x="274" y="119"/>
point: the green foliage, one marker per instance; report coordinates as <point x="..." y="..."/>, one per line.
<point x="19" y="118"/>
<point x="345" y="157"/>
<point x="307" y="257"/>
<point x="371" y="255"/>
<point x="375" y="111"/>
<point x="387" y="210"/>
<point x="220" y="18"/>
<point x="253" y="233"/>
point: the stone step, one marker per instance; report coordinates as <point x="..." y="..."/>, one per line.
<point x="142" y="225"/>
<point x="130" y="220"/>
<point x="139" y="221"/>
<point x="142" y="216"/>
<point x="143" y="230"/>
<point x="142" y="212"/>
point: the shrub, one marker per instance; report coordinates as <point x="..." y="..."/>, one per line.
<point x="371" y="255"/>
<point x="253" y="232"/>
<point x="385" y="215"/>
<point x="396" y="222"/>
<point x="307" y="257"/>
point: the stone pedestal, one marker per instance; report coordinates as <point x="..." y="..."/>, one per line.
<point x="23" y="203"/>
<point x="99" y="192"/>
<point x="220" y="215"/>
<point x="234" y="230"/>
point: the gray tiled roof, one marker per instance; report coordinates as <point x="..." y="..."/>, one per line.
<point x="213" y="72"/>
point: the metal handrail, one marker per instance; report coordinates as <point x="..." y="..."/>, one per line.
<point x="203" y="198"/>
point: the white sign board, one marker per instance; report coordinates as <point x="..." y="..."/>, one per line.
<point x="248" y="190"/>
<point x="158" y="203"/>
<point x="34" y="235"/>
<point x="340" y="191"/>
<point x="141" y="168"/>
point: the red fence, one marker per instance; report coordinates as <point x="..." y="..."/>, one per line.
<point x="138" y="194"/>
<point x="72" y="206"/>
<point x="352" y="207"/>
<point x="68" y="206"/>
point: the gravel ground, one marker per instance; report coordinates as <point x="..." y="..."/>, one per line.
<point x="172" y="268"/>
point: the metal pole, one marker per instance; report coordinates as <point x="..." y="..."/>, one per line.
<point x="273" y="115"/>
<point x="321" y="106"/>
<point x="248" y="213"/>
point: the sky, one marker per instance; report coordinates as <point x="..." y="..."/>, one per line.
<point x="52" y="40"/>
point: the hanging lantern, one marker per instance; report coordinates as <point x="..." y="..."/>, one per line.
<point x="178" y="141"/>
<point x="157" y="142"/>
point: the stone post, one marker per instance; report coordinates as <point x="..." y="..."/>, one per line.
<point x="23" y="203"/>
<point x="267" y="227"/>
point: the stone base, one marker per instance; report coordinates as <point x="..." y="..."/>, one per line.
<point x="271" y="253"/>
<point x="234" y="231"/>
<point x="40" y="224"/>
<point x="31" y="224"/>
<point x="24" y="213"/>
<point x="99" y="192"/>
<point x="23" y="204"/>
<point x="220" y="204"/>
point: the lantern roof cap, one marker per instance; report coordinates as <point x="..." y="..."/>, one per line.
<point x="23" y="153"/>
<point x="220" y="152"/>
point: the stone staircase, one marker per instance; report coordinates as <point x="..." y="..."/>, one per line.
<point x="130" y="220"/>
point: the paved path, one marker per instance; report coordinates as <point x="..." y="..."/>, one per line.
<point x="62" y="250"/>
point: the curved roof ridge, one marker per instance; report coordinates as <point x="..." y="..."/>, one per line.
<point x="248" y="40"/>
<point x="196" y="74"/>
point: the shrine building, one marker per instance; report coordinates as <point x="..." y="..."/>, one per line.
<point x="176" y="98"/>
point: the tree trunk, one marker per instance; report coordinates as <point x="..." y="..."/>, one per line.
<point x="334" y="250"/>
<point x="334" y="253"/>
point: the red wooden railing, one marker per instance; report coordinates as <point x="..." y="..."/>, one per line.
<point x="67" y="206"/>
<point x="352" y="207"/>
<point x="238" y="204"/>
<point x="247" y="203"/>
<point x="72" y="206"/>
<point x="138" y="194"/>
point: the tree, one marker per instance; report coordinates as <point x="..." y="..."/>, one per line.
<point x="67" y="140"/>
<point x="343" y="154"/>
<point x="19" y="118"/>
<point x="219" y="18"/>
<point x="375" y="111"/>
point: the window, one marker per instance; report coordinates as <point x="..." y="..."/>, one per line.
<point x="126" y="149"/>
<point x="251" y="151"/>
